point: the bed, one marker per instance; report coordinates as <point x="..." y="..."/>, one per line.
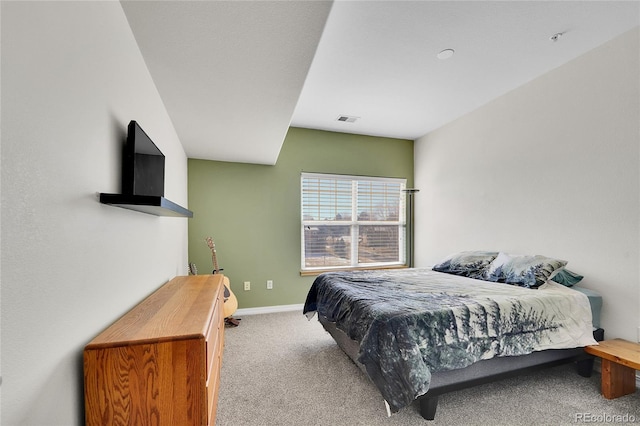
<point x="418" y="333"/>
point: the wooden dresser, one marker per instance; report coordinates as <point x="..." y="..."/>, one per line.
<point x="160" y="363"/>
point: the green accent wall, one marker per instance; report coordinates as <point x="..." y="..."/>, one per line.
<point x="252" y="212"/>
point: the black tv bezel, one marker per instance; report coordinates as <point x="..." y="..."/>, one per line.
<point x="139" y="178"/>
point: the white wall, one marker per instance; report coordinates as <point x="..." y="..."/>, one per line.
<point x="550" y="168"/>
<point x="72" y="78"/>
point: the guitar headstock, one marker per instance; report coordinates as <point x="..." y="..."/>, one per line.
<point x="192" y="269"/>
<point x="210" y="243"/>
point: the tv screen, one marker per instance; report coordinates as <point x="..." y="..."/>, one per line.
<point x="143" y="164"/>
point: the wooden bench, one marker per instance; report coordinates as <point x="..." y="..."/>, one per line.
<point x="620" y="359"/>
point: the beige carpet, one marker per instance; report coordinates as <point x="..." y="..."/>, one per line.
<point x="280" y="369"/>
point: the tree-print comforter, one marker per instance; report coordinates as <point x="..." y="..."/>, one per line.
<point x="413" y="322"/>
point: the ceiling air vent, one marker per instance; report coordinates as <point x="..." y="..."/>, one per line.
<point x="347" y="118"/>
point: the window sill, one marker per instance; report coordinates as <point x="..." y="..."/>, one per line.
<point x="316" y="272"/>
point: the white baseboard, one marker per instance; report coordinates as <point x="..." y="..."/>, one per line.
<point x="269" y="310"/>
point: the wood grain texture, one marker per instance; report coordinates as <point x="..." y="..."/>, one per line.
<point x="152" y="366"/>
<point x="617" y="380"/>
<point x="619" y="351"/>
<point x="620" y="359"/>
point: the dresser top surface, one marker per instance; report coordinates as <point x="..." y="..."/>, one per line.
<point x="182" y="308"/>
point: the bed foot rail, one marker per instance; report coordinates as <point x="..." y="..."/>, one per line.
<point x="428" y="405"/>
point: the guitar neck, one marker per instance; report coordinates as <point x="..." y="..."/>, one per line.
<point x="214" y="257"/>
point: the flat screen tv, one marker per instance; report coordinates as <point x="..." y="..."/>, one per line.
<point x="142" y="165"/>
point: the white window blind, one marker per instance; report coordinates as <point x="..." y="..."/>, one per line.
<point x="352" y="221"/>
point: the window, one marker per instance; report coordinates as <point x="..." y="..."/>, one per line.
<point x="352" y="221"/>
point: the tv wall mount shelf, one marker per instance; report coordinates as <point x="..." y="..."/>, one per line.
<point x="143" y="178"/>
<point x="151" y="204"/>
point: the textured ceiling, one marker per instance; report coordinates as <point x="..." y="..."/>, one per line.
<point x="234" y="75"/>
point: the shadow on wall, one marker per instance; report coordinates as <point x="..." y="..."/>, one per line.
<point x="118" y="141"/>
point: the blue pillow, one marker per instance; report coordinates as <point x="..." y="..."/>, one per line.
<point x="567" y="277"/>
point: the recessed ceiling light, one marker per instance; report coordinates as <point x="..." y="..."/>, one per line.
<point x="446" y="54"/>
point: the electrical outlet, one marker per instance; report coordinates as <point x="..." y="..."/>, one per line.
<point x="247" y="285"/>
<point x="269" y="284"/>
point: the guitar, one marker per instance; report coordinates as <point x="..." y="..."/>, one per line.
<point x="230" y="302"/>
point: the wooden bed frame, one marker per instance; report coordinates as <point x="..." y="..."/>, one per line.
<point x="481" y="372"/>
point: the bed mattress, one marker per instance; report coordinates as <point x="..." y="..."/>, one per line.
<point x="595" y="301"/>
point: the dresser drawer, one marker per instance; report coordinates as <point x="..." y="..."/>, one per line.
<point x="214" y="345"/>
<point x="213" y="384"/>
<point x="213" y="339"/>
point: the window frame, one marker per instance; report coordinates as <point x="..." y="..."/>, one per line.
<point x="354" y="223"/>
